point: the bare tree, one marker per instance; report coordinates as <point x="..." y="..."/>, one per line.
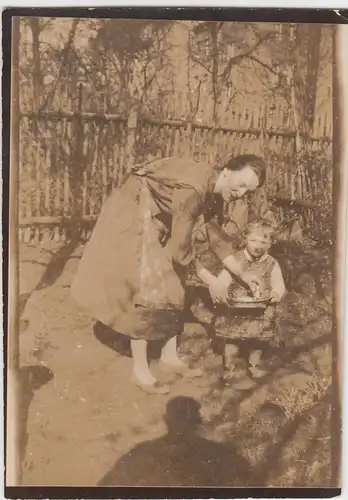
<point x="45" y="55"/>
<point x="220" y="46"/>
<point x="34" y="23"/>
<point x="32" y="61"/>
<point x="289" y="71"/>
<point x="294" y="60"/>
<point x="129" y="61"/>
<point x="63" y="63"/>
<point x="133" y="52"/>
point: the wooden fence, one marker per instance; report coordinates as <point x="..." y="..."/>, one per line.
<point x="69" y="162"/>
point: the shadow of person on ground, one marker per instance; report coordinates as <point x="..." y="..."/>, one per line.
<point x="53" y="270"/>
<point x="30" y="379"/>
<point x="121" y="343"/>
<point x="56" y="266"/>
<point x="112" y="339"/>
<point x="180" y="458"/>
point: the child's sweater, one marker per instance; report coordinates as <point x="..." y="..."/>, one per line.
<point x="266" y="269"/>
<point x="232" y="323"/>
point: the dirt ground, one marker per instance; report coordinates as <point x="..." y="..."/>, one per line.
<point x="85" y="424"/>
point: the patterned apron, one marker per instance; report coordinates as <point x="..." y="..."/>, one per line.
<point x="160" y="287"/>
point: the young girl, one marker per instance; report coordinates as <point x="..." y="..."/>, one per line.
<point x="255" y="327"/>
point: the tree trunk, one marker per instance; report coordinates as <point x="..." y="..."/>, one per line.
<point x="34" y="23"/>
<point x="312" y="55"/>
<point x="294" y="80"/>
<point x="215" y="70"/>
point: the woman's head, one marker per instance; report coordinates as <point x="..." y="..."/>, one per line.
<point x="239" y="176"/>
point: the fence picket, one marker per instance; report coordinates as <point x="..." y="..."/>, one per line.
<point x="168" y="140"/>
<point x="37" y="186"/>
<point x="66" y="191"/>
<point x="176" y="142"/>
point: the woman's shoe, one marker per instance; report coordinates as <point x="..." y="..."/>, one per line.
<point x="155" y="388"/>
<point x="183" y="370"/>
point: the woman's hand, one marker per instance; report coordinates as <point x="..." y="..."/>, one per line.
<point x="253" y="282"/>
<point x="218" y="290"/>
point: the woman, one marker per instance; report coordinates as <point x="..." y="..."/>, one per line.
<point x="133" y="270"/>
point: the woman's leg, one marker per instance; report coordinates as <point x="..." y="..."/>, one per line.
<point x="141" y="368"/>
<point x="171" y="360"/>
<point x="170" y="355"/>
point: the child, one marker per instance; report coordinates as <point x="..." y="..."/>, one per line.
<point x="256" y="326"/>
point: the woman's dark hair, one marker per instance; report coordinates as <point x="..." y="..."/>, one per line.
<point x="257" y="164"/>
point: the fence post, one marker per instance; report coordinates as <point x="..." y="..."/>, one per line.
<point x="76" y="169"/>
<point x="131" y="131"/>
<point x="188" y="153"/>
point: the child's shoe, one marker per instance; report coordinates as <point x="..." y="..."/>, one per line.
<point x="255" y="365"/>
<point x="237" y="377"/>
<point x="257" y="372"/>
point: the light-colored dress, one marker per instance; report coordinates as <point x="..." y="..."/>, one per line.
<point x="133" y="270"/>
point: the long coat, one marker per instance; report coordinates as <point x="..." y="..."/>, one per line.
<point x="132" y="273"/>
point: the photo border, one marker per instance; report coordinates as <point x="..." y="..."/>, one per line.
<point x="239" y="14"/>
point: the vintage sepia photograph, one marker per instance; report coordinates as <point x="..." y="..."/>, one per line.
<point x="174" y="262"/>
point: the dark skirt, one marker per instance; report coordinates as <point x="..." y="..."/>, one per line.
<point x="247" y="325"/>
<point x="121" y="342"/>
<point x="156" y="324"/>
<point x="232" y="323"/>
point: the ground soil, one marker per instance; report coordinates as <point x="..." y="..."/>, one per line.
<point x="81" y="414"/>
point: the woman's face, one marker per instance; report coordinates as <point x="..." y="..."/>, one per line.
<point x="235" y="184"/>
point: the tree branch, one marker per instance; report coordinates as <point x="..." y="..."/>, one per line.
<point x="198" y="61"/>
<point x="264" y="65"/>
<point x="247" y="52"/>
<point x="64" y="52"/>
<point x="43" y="26"/>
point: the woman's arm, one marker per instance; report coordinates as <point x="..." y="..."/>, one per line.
<point x="225" y="277"/>
<point x="204" y="275"/>
<point x="186" y="208"/>
<point x="218" y="286"/>
<point x="222" y="245"/>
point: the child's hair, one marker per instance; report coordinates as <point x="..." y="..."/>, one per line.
<point x="266" y="226"/>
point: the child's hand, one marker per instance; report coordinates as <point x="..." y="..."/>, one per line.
<point x="253" y="282"/>
<point x="275" y="297"/>
<point x="267" y="323"/>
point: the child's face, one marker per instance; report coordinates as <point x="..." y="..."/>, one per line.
<point x="258" y="243"/>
